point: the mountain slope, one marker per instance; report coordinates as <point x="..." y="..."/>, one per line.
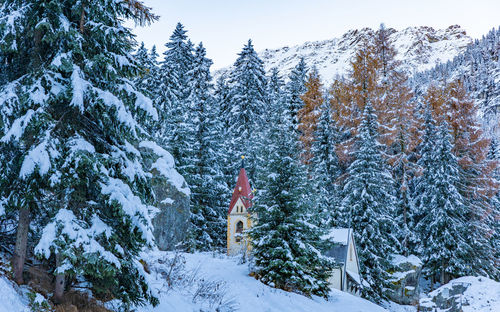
<point x="419" y="49"/>
<point x="479" y="68"/>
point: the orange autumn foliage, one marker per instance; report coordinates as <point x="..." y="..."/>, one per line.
<point x="308" y="115"/>
<point x="375" y="77"/>
<point x="452" y="104"/>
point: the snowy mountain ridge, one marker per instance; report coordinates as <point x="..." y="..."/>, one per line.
<point x="419" y="49"/>
<point x="479" y="68"/>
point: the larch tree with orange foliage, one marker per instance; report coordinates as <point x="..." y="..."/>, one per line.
<point x="376" y="77"/>
<point x="450" y="103"/>
<point x="308" y="115"/>
<point x="399" y="127"/>
<point x="348" y="97"/>
<point x="339" y="95"/>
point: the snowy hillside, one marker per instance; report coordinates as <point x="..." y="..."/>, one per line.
<point x="419" y="48"/>
<point x="208" y="282"/>
<point x="242" y="292"/>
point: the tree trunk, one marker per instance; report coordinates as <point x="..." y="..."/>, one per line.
<point x="405" y="240"/>
<point x="60" y="283"/>
<point x="21" y="244"/>
<point x="442" y="272"/>
<point x="82" y="19"/>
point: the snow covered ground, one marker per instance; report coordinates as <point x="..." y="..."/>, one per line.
<point x="201" y="273"/>
<point x="208" y="279"/>
<point x="11" y="298"/>
<point x="247" y="294"/>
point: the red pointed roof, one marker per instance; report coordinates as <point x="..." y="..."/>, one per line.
<point x="242" y="190"/>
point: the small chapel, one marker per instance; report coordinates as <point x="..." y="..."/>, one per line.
<point x="238" y="216"/>
<point x="342" y="248"/>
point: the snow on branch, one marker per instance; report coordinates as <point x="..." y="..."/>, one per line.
<point x="165" y="165"/>
<point x="17" y="129"/>
<point x="141" y="100"/>
<point x="139" y="213"/>
<point x="39" y="157"/>
<point x="66" y="226"/>
<point x="79" y="87"/>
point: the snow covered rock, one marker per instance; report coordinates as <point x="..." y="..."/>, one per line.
<point x="171" y="223"/>
<point x="468" y="293"/>
<point x="405" y="279"/>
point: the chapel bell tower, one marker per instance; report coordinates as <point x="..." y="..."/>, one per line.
<point x="238" y="217"/>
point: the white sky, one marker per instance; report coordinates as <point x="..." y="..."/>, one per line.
<point x="224" y="26"/>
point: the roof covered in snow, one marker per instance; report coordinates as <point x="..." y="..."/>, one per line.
<point x="340" y="236"/>
<point x="338" y="253"/>
<point x="241" y="190"/>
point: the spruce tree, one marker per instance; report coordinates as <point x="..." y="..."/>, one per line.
<point x="295" y="88"/>
<point x="368" y="207"/>
<point x="173" y="92"/>
<point x="178" y="57"/>
<point x="326" y="167"/>
<point x="422" y="181"/>
<point x="222" y="105"/>
<point x="203" y="163"/>
<point x="286" y="246"/>
<point x="442" y="228"/>
<point x="247" y="83"/>
<point x="222" y="99"/>
<point x="147" y="77"/>
<point x="142" y="58"/>
<point x="74" y="128"/>
<point x="494" y="216"/>
<point x="275" y="96"/>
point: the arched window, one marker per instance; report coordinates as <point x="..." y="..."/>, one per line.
<point x="239" y="231"/>
<point x="239" y="227"/>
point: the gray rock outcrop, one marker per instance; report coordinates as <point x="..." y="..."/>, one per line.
<point x="405" y="280"/>
<point x="171" y="222"/>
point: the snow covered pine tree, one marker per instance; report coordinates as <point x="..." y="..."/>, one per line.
<point x="72" y="119"/>
<point x="286" y="245"/>
<point x="247" y="96"/>
<point x="443" y="228"/>
<point x="368" y="207"/>
<point x="203" y="162"/>
<point x="326" y="167"/>
<point x="173" y="92"/>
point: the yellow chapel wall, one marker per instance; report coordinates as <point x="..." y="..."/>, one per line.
<point x="239" y="213"/>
